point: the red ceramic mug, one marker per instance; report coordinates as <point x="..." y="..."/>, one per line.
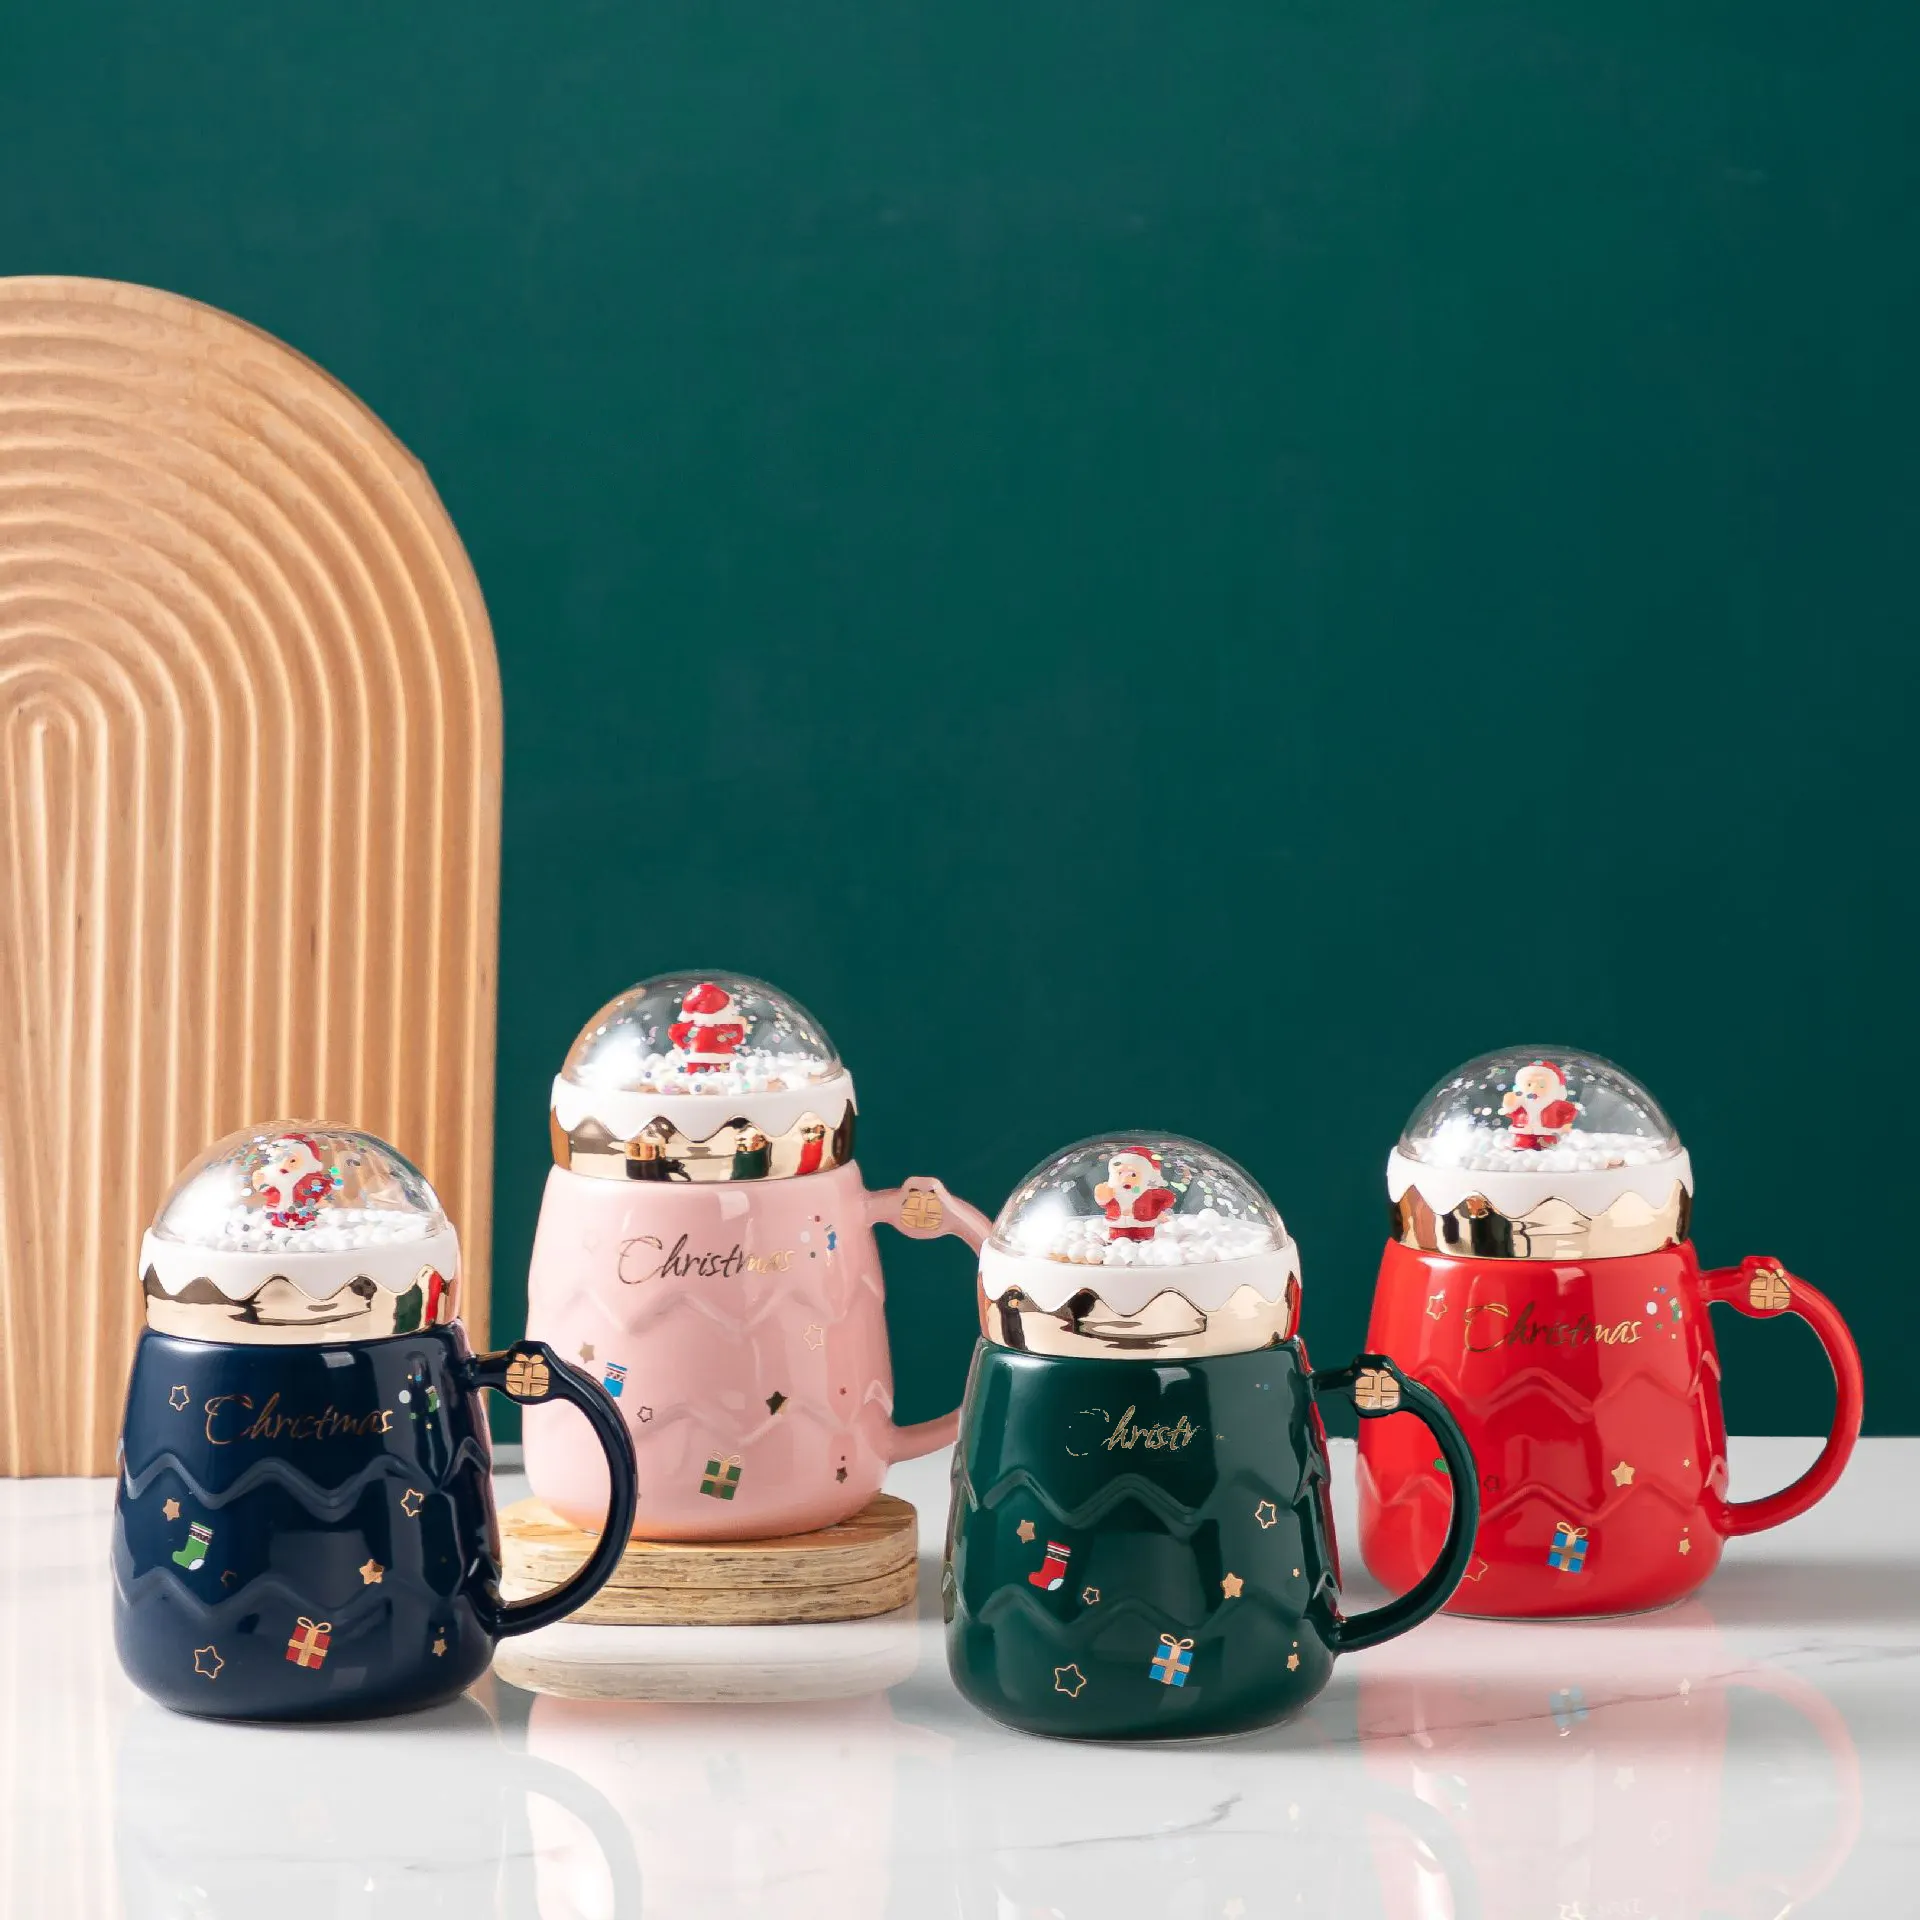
<point x="1541" y="1282"/>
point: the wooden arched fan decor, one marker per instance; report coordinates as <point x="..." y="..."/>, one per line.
<point x="249" y="809"/>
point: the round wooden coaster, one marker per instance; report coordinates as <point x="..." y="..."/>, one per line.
<point x="864" y="1566"/>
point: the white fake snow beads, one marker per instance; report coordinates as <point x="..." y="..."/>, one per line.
<point x="338" y="1230"/>
<point x="1180" y="1240"/>
<point x="1477" y="1148"/>
<point x="749" y="1071"/>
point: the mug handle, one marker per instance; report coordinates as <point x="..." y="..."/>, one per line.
<point x="532" y="1374"/>
<point x="1763" y="1289"/>
<point x="549" y="1780"/>
<point x="923" y="1209"/>
<point x="1378" y="1388"/>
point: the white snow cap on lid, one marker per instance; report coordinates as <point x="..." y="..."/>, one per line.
<point x="316" y="1203"/>
<point x="1526" y="1124"/>
<point x="1130" y="1215"/>
<point x="701" y="1048"/>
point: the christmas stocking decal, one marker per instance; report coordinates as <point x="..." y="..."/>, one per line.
<point x="1048" y="1576"/>
<point x="194" y="1553"/>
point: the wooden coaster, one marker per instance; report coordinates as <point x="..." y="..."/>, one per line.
<point x="864" y="1566"/>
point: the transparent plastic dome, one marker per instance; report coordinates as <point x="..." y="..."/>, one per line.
<point x="1539" y="1110"/>
<point x="711" y="1033"/>
<point x="1139" y="1200"/>
<point x="299" y="1186"/>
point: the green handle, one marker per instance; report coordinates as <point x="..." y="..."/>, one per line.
<point x="1378" y="1389"/>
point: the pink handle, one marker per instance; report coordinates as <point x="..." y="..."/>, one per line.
<point x="1763" y="1289"/>
<point x="923" y="1209"/>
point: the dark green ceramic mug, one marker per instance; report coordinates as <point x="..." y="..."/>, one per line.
<point x="1141" y="1538"/>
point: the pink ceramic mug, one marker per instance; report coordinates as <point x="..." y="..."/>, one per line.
<point x="706" y="1252"/>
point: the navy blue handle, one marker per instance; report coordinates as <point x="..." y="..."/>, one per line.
<point x="531" y="1373"/>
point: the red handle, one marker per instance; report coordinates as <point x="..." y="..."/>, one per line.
<point x="923" y="1210"/>
<point x="1763" y="1289"/>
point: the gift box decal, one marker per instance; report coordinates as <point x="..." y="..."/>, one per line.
<point x="1568" y="1554"/>
<point x="1173" y="1662"/>
<point x="527" y="1377"/>
<point x="616" y="1379"/>
<point x="722" y="1478"/>
<point x="308" y="1643"/>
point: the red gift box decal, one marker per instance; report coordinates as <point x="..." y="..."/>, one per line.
<point x="308" y="1643"/>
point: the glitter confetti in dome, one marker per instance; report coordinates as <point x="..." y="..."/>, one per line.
<point x="1138" y="1200"/>
<point x="294" y="1187"/>
<point x="718" y="1034"/>
<point x="1539" y="1110"/>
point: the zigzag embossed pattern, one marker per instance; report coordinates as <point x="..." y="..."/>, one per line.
<point x="1590" y="1395"/>
<point x="249" y="808"/>
<point x="1188" y="1536"/>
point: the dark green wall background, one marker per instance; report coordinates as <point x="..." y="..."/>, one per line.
<point x="1184" y="566"/>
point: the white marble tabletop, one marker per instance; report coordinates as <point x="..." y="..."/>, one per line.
<point x="1750" y="1752"/>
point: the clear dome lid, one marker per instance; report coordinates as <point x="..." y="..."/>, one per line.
<point x="1139" y="1200"/>
<point x="719" y="1035"/>
<point x="298" y="1187"/>
<point x="1539" y="1110"/>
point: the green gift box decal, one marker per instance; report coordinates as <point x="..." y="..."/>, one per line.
<point x="722" y="1478"/>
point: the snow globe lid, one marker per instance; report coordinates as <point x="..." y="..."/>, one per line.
<point x="310" y="1204"/>
<point x="1524" y="1127"/>
<point x="1128" y="1216"/>
<point x="702" y="1075"/>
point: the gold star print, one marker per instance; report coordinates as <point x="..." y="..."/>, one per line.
<point x="439" y="1647"/>
<point x="1266" y="1513"/>
<point x="643" y="1414"/>
<point x="1090" y="1596"/>
<point x="207" y="1662"/>
<point x="411" y="1502"/>
<point x="586" y="1350"/>
<point x="814" y="1335"/>
<point x="1025" y="1529"/>
<point x="178" y="1399"/>
<point x="1060" y="1681"/>
<point x="840" y="1473"/>
<point x="372" y="1572"/>
<point x="1476" y="1570"/>
<point x="1436" y="1306"/>
<point x="172" y="1509"/>
<point x="228" y="1578"/>
<point x="1293" y="1663"/>
<point x="1686" y="1545"/>
<point x="775" y="1401"/>
<point x="1232" y="1586"/>
<point x="1623" y="1475"/>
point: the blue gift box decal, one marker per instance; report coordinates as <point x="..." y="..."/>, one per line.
<point x="1568" y="1554"/>
<point x="616" y="1379"/>
<point x="1172" y="1663"/>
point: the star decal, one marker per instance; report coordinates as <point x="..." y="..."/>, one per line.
<point x="172" y="1509"/>
<point x="439" y="1645"/>
<point x="1266" y="1513"/>
<point x="1232" y="1587"/>
<point x="586" y="1350"/>
<point x="1686" y="1545"/>
<point x="840" y="1473"/>
<point x="1623" y="1475"/>
<point x="815" y="1336"/>
<point x="1476" y="1570"/>
<point x="643" y="1414"/>
<point x="775" y="1401"/>
<point x="372" y="1572"/>
<point x="1293" y="1663"/>
<point x="411" y="1502"/>
<point x="228" y="1578"/>
<point x="1060" y="1681"/>
<point x="178" y="1399"/>
<point x="207" y="1662"/>
<point x="1436" y="1306"/>
<point x="1090" y="1596"/>
<point x="1025" y="1529"/>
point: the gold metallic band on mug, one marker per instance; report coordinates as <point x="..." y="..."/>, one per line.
<point x="279" y="1314"/>
<point x="1549" y="1230"/>
<point x="735" y="1150"/>
<point x="1167" y="1327"/>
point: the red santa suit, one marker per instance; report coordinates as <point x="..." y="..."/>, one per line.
<point x="711" y="1030"/>
<point x="292" y="1183"/>
<point x="1539" y="1120"/>
<point x="1132" y="1214"/>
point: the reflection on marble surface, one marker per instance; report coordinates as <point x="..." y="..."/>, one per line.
<point x="1748" y="1752"/>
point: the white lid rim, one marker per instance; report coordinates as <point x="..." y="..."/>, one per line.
<point x="1206" y="1284"/>
<point x="320" y="1274"/>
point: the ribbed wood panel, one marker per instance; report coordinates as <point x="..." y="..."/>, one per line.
<point x="249" y="808"/>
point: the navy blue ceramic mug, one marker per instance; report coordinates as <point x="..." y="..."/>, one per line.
<point x="304" y="1526"/>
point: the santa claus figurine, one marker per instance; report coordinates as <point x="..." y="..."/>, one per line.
<point x="709" y="1030"/>
<point x="291" y="1180"/>
<point x="1134" y="1195"/>
<point x="1537" y="1108"/>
